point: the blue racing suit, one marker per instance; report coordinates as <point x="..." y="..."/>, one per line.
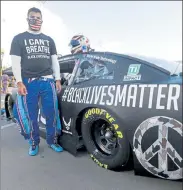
<point x="26" y="110"/>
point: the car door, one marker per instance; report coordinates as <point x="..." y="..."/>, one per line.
<point x="92" y="69"/>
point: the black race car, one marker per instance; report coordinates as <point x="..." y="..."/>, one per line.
<point x="126" y="110"/>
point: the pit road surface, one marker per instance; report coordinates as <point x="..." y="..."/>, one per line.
<point x="62" y="171"/>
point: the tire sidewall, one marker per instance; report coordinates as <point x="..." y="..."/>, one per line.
<point x="122" y="155"/>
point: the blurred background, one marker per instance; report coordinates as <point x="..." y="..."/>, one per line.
<point x="152" y="28"/>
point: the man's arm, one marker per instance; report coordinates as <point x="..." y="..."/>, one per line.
<point x="55" y="67"/>
<point x="15" y="53"/>
<point x="55" y="63"/>
<point x="16" y="67"/>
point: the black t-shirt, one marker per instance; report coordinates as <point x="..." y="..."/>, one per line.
<point x="35" y="51"/>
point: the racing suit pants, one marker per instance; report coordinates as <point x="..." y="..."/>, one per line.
<point x="26" y="110"/>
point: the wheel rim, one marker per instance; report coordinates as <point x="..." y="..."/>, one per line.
<point x="104" y="137"/>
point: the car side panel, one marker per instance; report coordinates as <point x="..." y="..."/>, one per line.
<point x="149" y="111"/>
<point x="164" y="103"/>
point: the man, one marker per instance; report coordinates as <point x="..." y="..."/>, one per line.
<point x="5" y="83"/>
<point x="34" y="63"/>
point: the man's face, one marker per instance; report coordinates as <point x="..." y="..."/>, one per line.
<point x="33" y="15"/>
<point x="35" y="21"/>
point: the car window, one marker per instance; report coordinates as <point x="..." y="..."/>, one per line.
<point x="94" y="69"/>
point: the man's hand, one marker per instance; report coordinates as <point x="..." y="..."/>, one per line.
<point x="21" y="89"/>
<point x="58" y="85"/>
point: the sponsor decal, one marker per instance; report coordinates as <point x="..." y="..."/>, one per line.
<point x="133" y="73"/>
<point x="98" y="162"/>
<point x="136" y="95"/>
<point x="161" y="147"/>
<point x="67" y="125"/>
<point x="101" y="58"/>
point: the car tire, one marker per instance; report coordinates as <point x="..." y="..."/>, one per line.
<point x="9" y="102"/>
<point x="119" y="156"/>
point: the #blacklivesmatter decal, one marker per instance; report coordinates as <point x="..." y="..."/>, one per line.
<point x="37" y="48"/>
<point x="137" y="95"/>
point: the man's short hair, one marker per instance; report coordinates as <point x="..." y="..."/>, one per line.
<point x="35" y="10"/>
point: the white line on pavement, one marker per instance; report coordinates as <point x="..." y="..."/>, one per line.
<point x="8" y="125"/>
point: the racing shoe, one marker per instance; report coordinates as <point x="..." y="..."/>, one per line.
<point x="33" y="150"/>
<point x="30" y="142"/>
<point x="56" y="147"/>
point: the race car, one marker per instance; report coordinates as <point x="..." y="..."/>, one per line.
<point x="126" y="110"/>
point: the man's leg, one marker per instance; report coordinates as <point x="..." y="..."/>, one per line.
<point x="26" y="113"/>
<point x="49" y="101"/>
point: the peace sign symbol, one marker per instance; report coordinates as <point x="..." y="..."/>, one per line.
<point x="161" y="146"/>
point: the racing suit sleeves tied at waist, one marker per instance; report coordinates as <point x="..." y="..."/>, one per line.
<point x="59" y="127"/>
<point x="57" y="116"/>
<point x="22" y="116"/>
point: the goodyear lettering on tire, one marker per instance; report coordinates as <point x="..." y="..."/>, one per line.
<point x="93" y="111"/>
<point x="99" y="163"/>
<point x="109" y="118"/>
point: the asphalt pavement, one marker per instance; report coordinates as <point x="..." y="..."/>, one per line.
<point x="62" y="171"/>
